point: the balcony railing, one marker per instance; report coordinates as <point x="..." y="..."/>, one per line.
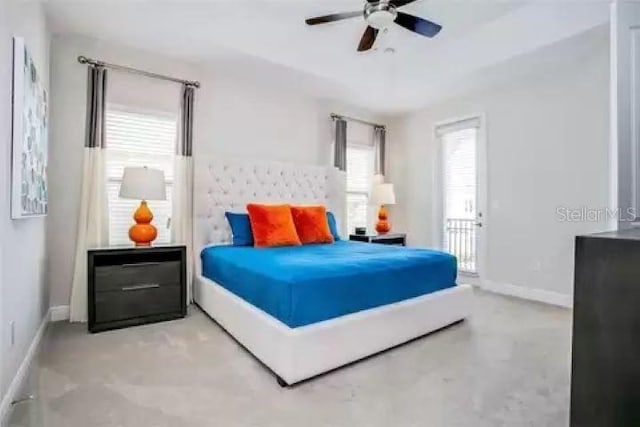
<point x="460" y="240"/>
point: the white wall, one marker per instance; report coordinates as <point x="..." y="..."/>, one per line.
<point x="547" y="148"/>
<point x="24" y="296"/>
<point x="237" y="113"/>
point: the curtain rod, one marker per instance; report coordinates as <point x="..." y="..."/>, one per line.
<point x="89" y="61"/>
<point x="353" y="119"/>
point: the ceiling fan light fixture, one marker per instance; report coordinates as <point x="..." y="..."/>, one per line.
<point x="380" y="15"/>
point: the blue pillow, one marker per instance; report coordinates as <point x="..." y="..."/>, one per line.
<point x="332" y="226"/>
<point x="240" y="228"/>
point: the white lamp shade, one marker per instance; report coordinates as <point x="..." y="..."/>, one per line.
<point x="383" y="194"/>
<point x="143" y="184"/>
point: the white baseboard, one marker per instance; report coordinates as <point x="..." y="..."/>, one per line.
<point x="14" y="388"/>
<point x="466" y="279"/>
<point x="59" y="313"/>
<point x="540" y="295"/>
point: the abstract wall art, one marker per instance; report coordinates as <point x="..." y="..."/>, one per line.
<point x="30" y="138"/>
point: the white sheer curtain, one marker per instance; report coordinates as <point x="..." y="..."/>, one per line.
<point x="93" y="219"/>
<point x="182" y="211"/>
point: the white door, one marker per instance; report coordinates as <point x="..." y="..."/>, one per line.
<point x="625" y="108"/>
<point x="462" y="190"/>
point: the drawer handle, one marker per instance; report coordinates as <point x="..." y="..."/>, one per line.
<point x="140" y="287"/>
<point x="139" y="264"/>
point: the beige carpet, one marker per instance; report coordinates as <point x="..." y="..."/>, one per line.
<point x="506" y="366"/>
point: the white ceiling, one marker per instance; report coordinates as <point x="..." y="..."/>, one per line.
<point x="478" y="35"/>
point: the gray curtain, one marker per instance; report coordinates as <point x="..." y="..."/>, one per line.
<point x="185" y="143"/>
<point x="340" y="146"/>
<point x="96" y="107"/>
<point x="380" y="141"/>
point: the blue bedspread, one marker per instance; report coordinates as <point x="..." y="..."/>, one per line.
<point x="311" y="283"/>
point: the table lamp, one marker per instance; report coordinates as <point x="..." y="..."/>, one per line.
<point x="382" y="195"/>
<point x="142" y="183"/>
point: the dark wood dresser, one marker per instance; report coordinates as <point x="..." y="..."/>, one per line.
<point x="132" y="286"/>
<point x="605" y="380"/>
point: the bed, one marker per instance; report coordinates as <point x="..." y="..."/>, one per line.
<point x="306" y="310"/>
<point x="303" y="285"/>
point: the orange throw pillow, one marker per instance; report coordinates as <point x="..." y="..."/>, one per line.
<point x="312" y="224"/>
<point x="272" y="225"/>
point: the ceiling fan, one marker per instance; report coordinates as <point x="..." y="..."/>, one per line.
<point x="379" y="15"/>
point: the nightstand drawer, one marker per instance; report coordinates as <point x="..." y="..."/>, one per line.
<point x="137" y="301"/>
<point x="393" y="239"/>
<point x="124" y="276"/>
<point x="398" y="241"/>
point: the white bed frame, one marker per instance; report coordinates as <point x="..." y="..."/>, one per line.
<point x="296" y="354"/>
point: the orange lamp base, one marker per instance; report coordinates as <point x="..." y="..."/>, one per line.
<point x="383" y="226"/>
<point x="142" y="233"/>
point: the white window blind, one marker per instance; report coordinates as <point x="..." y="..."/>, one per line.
<point x="360" y="160"/>
<point x="138" y="138"/>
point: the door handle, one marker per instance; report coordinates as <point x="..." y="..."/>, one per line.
<point x="478" y="224"/>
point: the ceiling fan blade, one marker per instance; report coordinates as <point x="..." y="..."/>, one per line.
<point x="400" y="3"/>
<point x="368" y="38"/>
<point x="333" y="17"/>
<point x="418" y="25"/>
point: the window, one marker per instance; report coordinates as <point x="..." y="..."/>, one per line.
<point x="138" y="138"/>
<point x="360" y="160"/>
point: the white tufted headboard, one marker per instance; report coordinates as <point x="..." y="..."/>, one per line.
<point x="229" y="184"/>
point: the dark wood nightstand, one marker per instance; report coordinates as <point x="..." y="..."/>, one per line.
<point x="132" y="286"/>
<point x="398" y="239"/>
